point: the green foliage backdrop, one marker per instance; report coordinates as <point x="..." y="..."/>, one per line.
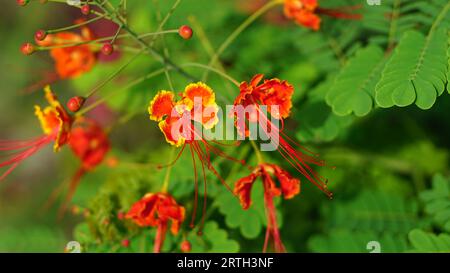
<point x="372" y="97"/>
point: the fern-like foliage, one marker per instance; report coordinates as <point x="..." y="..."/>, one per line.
<point x="393" y="17"/>
<point x="422" y="241"/>
<point x="353" y="89"/>
<point x="372" y="216"/>
<point x="437" y="201"/>
<point x="416" y="72"/>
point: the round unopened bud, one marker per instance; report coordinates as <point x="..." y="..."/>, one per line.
<point x="86" y="9"/>
<point x="185" y="32"/>
<point x="107" y="49"/>
<point x="22" y="2"/>
<point x="186" y="246"/>
<point x="125" y="243"/>
<point x="40" y="35"/>
<point x="27" y="49"/>
<point x="75" y="103"/>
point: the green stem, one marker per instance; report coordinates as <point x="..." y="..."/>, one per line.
<point x="113" y="75"/>
<point x="51" y="31"/>
<point x="259" y="156"/>
<point x="104" y="39"/>
<point x="238" y="31"/>
<point x="166" y="182"/>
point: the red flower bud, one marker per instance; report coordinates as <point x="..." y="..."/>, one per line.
<point x="27" y="49"/>
<point x="86" y="9"/>
<point x="22" y="2"/>
<point x="125" y="243"/>
<point x="185" y="32"/>
<point x="40" y="35"/>
<point x="186" y="246"/>
<point x="107" y="49"/>
<point x="75" y="103"/>
<point x="120" y="215"/>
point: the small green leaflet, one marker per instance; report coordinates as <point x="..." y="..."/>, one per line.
<point x="416" y="73"/>
<point x="353" y="89"/>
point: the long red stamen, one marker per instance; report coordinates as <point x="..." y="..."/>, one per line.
<point x="175" y="161"/>
<point x="194" y="210"/>
<point x="205" y="197"/>
<point x="21" y="150"/>
<point x="75" y="181"/>
<point x="296" y="158"/>
<point x="341" y="13"/>
<point x="272" y="225"/>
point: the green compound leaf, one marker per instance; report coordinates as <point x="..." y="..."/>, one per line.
<point x="213" y="239"/>
<point x="448" y="67"/>
<point x="428" y="242"/>
<point x="353" y="89"/>
<point x="317" y="122"/>
<point x="416" y="72"/>
<point x="437" y="201"/>
<point x="250" y="221"/>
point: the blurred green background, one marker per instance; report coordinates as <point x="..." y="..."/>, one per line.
<point x="391" y="181"/>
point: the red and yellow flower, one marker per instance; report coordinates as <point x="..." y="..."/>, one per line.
<point x="157" y="210"/>
<point x="197" y="104"/>
<point x="277" y="93"/>
<point x="306" y="13"/>
<point x="289" y="187"/>
<point x="56" y="124"/>
<point x="177" y="120"/>
<point x="71" y="61"/>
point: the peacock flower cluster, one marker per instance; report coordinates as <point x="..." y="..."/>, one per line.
<point x="276" y="95"/>
<point x="56" y="124"/>
<point x="306" y="13"/>
<point x="157" y="210"/>
<point x="72" y="53"/>
<point x="289" y="187"/>
<point x="178" y="120"/>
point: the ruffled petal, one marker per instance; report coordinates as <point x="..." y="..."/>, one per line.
<point x="290" y="186"/>
<point x="161" y="105"/>
<point x="243" y="189"/>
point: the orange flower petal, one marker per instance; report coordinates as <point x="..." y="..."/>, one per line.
<point x="54" y="119"/>
<point x="89" y="142"/>
<point x="243" y="188"/>
<point x="161" y="105"/>
<point x="198" y="91"/>
<point x="308" y="19"/>
<point x="173" y="135"/>
<point x="290" y="186"/>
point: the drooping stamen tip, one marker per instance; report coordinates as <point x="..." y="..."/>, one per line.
<point x="86" y="9"/>
<point x="200" y="233"/>
<point x="75" y="103"/>
<point x="27" y="49"/>
<point x="40" y="35"/>
<point x="185" y="32"/>
<point x="107" y="49"/>
<point x="330" y="195"/>
<point x="192" y="225"/>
